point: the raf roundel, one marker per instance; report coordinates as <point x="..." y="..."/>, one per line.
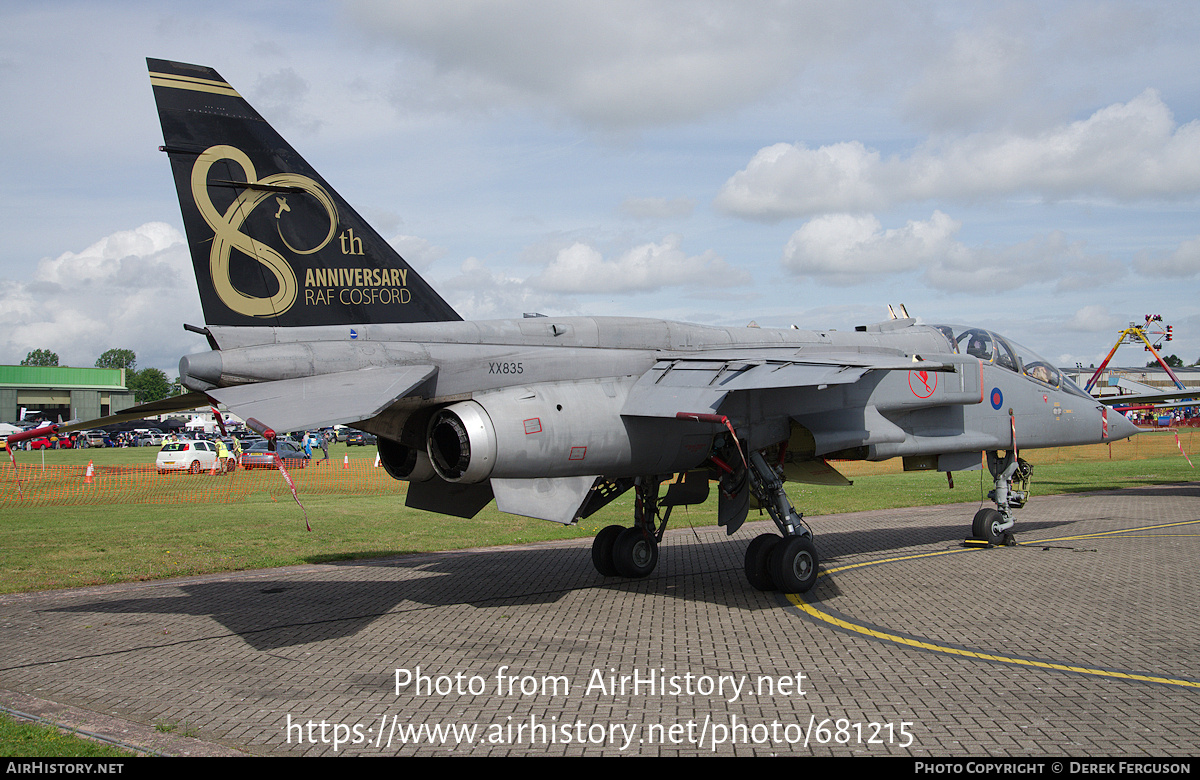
<point x="997" y="398"/>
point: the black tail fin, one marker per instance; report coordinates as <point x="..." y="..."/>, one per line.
<point x="272" y="243"/>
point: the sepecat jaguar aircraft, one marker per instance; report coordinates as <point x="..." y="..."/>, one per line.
<point x="314" y="320"/>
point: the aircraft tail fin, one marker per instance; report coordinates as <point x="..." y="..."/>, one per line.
<point x="272" y="243"/>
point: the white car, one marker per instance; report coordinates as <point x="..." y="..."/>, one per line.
<point x="190" y="456"/>
<point x="150" y="439"/>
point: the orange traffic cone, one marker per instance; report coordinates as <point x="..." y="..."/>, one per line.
<point x="346" y="462"/>
<point x="89" y="478"/>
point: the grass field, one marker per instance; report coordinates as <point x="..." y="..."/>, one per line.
<point x="21" y="739"/>
<point x="61" y="545"/>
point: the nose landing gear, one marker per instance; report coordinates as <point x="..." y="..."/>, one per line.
<point x="993" y="527"/>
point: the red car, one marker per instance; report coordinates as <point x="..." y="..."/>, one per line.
<point x="46" y="443"/>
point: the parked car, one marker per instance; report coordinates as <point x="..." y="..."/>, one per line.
<point x="150" y="439"/>
<point x="48" y="442"/>
<point x="257" y="456"/>
<point x="359" y="438"/>
<point x="191" y="456"/>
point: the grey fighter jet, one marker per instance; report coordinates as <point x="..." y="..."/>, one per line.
<point x="314" y="320"/>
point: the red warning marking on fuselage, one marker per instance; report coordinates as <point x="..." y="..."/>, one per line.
<point x="925" y="384"/>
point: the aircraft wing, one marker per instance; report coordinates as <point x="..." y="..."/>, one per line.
<point x="699" y="383"/>
<point x="322" y="400"/>
<point x="1148" y="398"/>
<point x="176" y="403"/>
<point x="290" y="404"/>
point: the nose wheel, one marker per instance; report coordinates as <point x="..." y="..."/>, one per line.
<point x="1010" y="473"/>
<point x="989" y="526"/>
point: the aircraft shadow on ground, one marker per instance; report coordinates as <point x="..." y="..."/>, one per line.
<point x="1166" y="488"/>
<point x="274" y="612"/>
<point x="278" y="612"/>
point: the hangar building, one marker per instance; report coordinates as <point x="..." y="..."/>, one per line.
<point x="61" y="391"/>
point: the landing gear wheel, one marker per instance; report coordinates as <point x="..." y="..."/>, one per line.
<point x="793" y="564"/>
<point x="986" y="526"/>
<point x="758" y="561"/>
<point x="635" y="553"/>
<point x="602" y="550"/>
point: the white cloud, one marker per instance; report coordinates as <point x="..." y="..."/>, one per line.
<point x="787" y="180"/>
<point x="846" y="249"/>
<point x="280" y="95"/>
<point x="1127" y="151"/>
<point x="658" y="208"/>
<point x="580" y="268"/>
<point x="1094" y="319"/>
<point x="622" y="63"/>
<point x="1181" y="263"/>
<point x="417" y="252"/>
<point x="129" y="290"/>
<point x="980" y="71"/>
<point x="479" y="293"/>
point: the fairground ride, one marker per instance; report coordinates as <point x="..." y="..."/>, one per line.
<point x="1153" y="333"/>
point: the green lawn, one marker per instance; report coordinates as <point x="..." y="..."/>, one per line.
<point x="19" y="739"/>
<point x="67" y="546"/>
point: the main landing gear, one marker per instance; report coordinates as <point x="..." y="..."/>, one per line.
<point x="633" y="552"/>
<point x="1011" y="476"/>
<point x="785" y="563"/>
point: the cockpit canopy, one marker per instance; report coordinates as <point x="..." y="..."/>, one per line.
<point x="993" y="348"/>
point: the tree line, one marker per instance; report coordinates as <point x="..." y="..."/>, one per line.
<point x="149" y="384"/>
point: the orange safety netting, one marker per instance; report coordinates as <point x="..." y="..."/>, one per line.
<point x="36" y="485"/>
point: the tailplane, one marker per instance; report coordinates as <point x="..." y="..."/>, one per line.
<point x="272" y="243"/>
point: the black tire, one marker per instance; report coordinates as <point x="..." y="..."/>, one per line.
<point x="195" y="468"/>
<point x="985" y="526"/>
<point x="602" y="550"/>
<point x="635" y="553"/>
<point x="793" y="564"/>
<point x="758" y="561"/>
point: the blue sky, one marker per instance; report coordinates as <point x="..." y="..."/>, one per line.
<point x="1030" y="167"/>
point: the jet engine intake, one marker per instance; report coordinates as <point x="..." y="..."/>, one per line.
<point x="404" y="463"/>
<point x="559" y="429"/>
<point x="462" y="443"/>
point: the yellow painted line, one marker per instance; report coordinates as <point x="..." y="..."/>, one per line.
<point x="1119" y="532"/>
<point x="192" y="83"/>
<point x="921" y="644"/>
<point x="895" y="560"/>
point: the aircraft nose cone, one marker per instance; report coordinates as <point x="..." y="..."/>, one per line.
<point x="1119" y="427"/>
